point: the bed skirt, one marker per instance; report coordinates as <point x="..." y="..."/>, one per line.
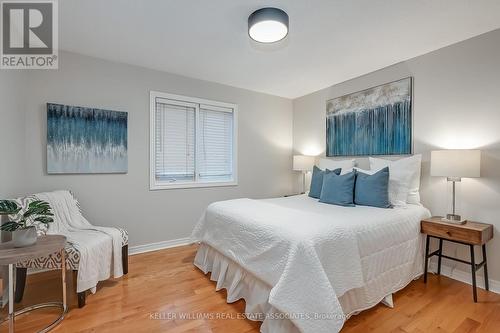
<point x="241" y="284"/>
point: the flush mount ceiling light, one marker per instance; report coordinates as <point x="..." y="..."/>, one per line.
<point x="268" y="25"/>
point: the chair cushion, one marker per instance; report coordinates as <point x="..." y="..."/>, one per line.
<point x="53" y="261"/>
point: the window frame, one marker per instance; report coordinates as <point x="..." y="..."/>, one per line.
<point x="222" y="106"/>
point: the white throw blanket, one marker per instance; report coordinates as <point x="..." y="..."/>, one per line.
<point x="100" y="248"/>
<point x="309" y="259"/>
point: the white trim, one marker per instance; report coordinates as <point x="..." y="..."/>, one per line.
<point x="186" y="100"/>
<point x="168" y="186"/>
<point x="465" y="277"/>
<point x="152" y="120"/>
<point x="158" y="246"/>
<point x="197" y="146"/>
<point x="235" y="144"/>
<point x="215" y="108"/>
<point x="196" y="100"/>
<point x="176" y="102"/>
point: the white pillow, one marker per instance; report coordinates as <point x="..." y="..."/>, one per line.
<point x="368" y="172"/>
<point x="325" y="163"/>
<point x="404" y="174"/>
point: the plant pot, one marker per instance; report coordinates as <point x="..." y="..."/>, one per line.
<point x="24" y="237"/>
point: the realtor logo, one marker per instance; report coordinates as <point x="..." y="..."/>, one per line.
<point x="29" y="35"/>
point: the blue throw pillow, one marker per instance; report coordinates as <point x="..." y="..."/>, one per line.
<point x="338" y="190"/>
<point x="372" y="190"/>
<point x="317" y="181"/>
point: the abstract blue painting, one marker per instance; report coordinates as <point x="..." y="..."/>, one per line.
<point x="86" y="140"/>
<point x="376" y="121"/>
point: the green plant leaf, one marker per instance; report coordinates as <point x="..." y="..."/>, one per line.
<point x="8" y="207"/>
<point x="44" y="219"/>
<point x="10" y="226"/>
<point x="37" y="207"/>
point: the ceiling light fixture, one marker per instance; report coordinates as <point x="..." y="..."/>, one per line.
<point x="268" y="25"/>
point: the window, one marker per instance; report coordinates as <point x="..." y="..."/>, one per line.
<point x="193" y="142"/>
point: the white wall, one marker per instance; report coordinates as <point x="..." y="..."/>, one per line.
<point x="456" y="105"/>
<point x="264" y="146"/>
<point x="12" y="93"/>
<point x="12" y="171"/>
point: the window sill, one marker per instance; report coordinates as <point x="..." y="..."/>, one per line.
<point x="170" y="186"/>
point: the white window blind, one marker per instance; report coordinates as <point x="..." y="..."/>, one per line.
<point x="193" y="142"/>
<point x="175" y="141"/>
<point x="216" y="143"/>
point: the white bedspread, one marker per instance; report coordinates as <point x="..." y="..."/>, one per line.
<point x="310" y="253"/>
<point x="99" y="247"/>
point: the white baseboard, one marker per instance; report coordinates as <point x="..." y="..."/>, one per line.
<point x="158" y="246"/>
<point x="465" y="277"/>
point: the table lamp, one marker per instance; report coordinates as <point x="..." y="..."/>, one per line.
<point x="455" y="164"/>
<point x="303" y="163"/>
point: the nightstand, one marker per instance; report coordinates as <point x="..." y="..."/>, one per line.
<point x="470" y="234"/>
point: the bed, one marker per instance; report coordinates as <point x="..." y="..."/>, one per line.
<point x="305" y="266"/>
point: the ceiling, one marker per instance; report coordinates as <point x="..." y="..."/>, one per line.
<point x="330" y="41"/>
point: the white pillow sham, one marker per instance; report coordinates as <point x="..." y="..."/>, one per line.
<point x="325" y="163"/>
<point x="404" y="178"/>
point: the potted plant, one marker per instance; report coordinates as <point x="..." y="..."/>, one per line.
<point x="22" y="222"/>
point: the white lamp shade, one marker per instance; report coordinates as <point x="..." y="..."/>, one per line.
<point x="303" y="163"/>
<point x="456" y="163"/>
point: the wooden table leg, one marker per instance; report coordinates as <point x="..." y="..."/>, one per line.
<point x="473" y="269"/>
<point x="11" y="299"/>
<point x="486" y="282"/>
<point x="440" y="254"/>
<point x="426" y="258"/>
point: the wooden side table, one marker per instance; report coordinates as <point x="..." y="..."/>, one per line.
<point x="470" y="234"/>
<point x="45" y="245"/>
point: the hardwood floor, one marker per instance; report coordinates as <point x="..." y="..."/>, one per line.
<point x="166" y="282"/>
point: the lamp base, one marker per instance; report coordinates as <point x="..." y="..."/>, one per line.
<point x="454" y="219"/>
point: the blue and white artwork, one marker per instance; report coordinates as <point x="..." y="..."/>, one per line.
<point x="376" y="121"/>
<point x="86" y="140"/>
